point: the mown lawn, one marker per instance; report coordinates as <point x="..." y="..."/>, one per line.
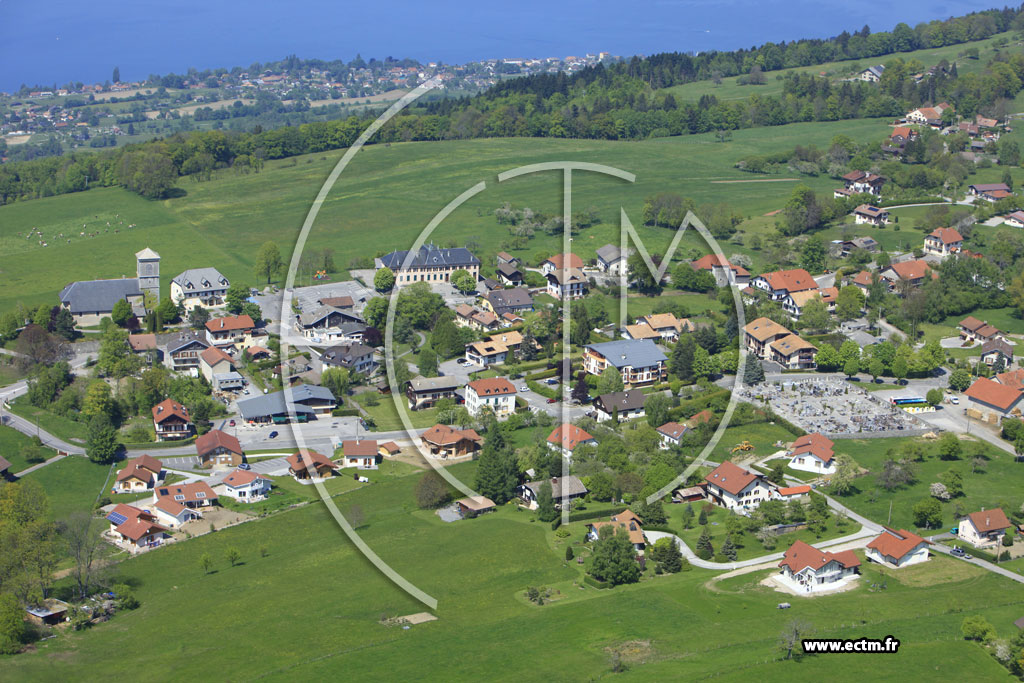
<point x="310" y="622"/>
<point x="385" y="414"/>
<point x="72" y="484"/>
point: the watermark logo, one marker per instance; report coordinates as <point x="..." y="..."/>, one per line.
<point x="629" y="238"/>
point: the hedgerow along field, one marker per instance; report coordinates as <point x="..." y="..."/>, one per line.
<point x="384" y="199"/>
<point x="304" y="604"/>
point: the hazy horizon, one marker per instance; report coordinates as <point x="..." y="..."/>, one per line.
<point x="59" y="43"/>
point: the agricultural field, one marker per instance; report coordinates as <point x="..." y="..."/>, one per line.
<point x="313" y="625"/>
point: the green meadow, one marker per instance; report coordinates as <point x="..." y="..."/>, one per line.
<point x="385" y="198"/>
<point x="302" y="603"/>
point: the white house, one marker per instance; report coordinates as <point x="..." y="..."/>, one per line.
<point x="360" y="453"/>
<point x="627" y="405"/>
<point x="246" y="486"/>
<point x="670" y="434"/>
<point x="139" y="474"/>
<point x="567" y="284"/>
<point x="807" y="569"/>
<point x="570" y="487"/>
<point x="496" y="393"/>
<point x="735" y="488"/>
<point x="985" y="528"/>
<point x="611" y="260"/>
<point x="199" y="287"/>
<point x="897" y="548"/>
<point x="566" y="437"/>
<point x="813" y="453"/>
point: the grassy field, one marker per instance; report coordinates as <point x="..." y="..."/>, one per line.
<point x="995" y="483"/>
<point x="385" y="414"/>
<point x="383" y="201"/>
<point x="72" y="484"/>
<point x="11" y="443"/>
<point x="310" y="621"/>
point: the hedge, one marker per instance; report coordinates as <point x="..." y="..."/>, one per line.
<point x="345" y="412"/>
<point x="594" y="514"/>
<point x="591" y="581"/>
<point x="544" y="391"/>
<point x="661" y="527"/>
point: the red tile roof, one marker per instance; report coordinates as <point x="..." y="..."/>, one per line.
<point x="946" y="235"/>
<point x="230" y="323"/>
<point x="558" y="260"/>
<point x="1013" y="378"/>
<point x="970" y="323"/>
<point x="197" y="491"/>
<point x="911" y="270"/>
<point x="212" y="355"/>
<point x="896" y="544"/>
<point x="795" y="280"/>
<point x="492" y="386"/>
<point x="443" y="435"/>
<point x="795" y="490"/>
<point x="168" y="408"/>
<point x="297" y="462"/>
<point x="243" y="477"/>
<point x="672" y="430"/>
<point x="215" y="438"/>
<point x="801" y="556"/>
<point x="568" y="436"/>
<point x="989" y="520"/>
<point x="863" y="278"/>
<point x="993" y="393"/>
<point x="731" y="477"/>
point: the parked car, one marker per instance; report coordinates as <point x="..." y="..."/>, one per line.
<point x="272" y="435"/>
<point x="552" y="400"/>
<point x="244" y="466"/>
<point x="524" y="388"/>
<point x="954" y="531"/>
<point x="959" y="552"/>
<point x="231" y="423"/>
<point x="955" y="400"/>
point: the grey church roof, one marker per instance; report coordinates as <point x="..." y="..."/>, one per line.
<point x="88" y="296"/>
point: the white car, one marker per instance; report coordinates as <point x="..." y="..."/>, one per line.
<point x="524" y="388"/>
<point x="955" y="400"/>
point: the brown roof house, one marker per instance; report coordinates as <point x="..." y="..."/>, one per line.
<point x="139" y="474"/>
<point x="216" y="448"/>
<point x="985" y="528"/>
<point x="566" y="437"/>
<point x="734" y="487"/>
<point x="625" y="522"/>
<point x="360" y="453"/>
<point x="991" y="401"/>
<point x="806" y="569"/>
<point x="171" y="421"/>
<point x="897" y="548"/>
<point x="447" y="442"/>
<point x="133" y="529"/>
<point x="813" y="453"/>
<point x="759" y="335"/>
<point x="305" y="465"/>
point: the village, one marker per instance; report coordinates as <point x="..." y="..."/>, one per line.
<point x="809" y="401"/>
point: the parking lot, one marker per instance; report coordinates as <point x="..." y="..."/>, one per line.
<point x="306" y="297"/>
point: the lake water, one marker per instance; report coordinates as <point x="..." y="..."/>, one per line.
<point x="61" y="41"/>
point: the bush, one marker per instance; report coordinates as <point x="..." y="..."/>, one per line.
<point x="344" y="412"/>
<point x="594" y="514"/>
<point x="432" y="491"/>
<point x="591" y="581"/>
<point x="125" y="597"/>
<point x="975" y="627"/>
